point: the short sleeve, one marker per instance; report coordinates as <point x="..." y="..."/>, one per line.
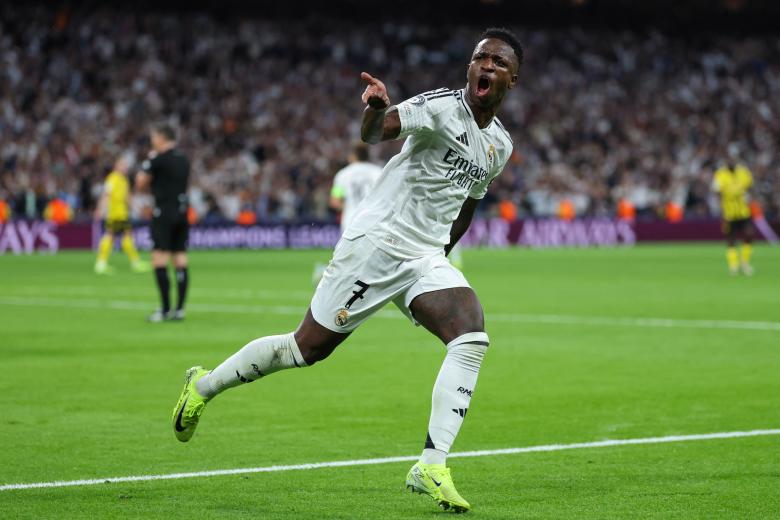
<point x="716" y="182"/>
<point x="416" y="116"/>
<point x="108" y="185"/>
<point x="149" y="163"/>
<point x="338" y="189"/>
<point x="748" y="177"/>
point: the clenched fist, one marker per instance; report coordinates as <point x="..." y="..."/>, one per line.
<point x="375" y="94"/>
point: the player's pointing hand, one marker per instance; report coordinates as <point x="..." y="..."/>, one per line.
<point x="375" y="94"/>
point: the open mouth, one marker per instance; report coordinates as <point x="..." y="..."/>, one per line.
<point x="483" y="86"/>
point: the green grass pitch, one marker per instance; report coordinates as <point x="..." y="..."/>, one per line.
<point x="87" y="387"/>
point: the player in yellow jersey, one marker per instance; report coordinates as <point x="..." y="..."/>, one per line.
<point x="114" y="205"/>
<point x="733" y="182"/>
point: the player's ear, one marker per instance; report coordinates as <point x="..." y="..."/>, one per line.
<point x="513" y="81"/>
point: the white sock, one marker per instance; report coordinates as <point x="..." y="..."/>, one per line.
<point x="256" y="359"/>
<point x="432" y="456"/>
<point x="452" y="394"/>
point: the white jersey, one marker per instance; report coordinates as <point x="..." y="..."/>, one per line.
<point x="446" y="159"/>
<point x="352" y="184"/>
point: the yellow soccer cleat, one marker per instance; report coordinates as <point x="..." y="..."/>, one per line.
<point x="187" y="412"/>
<point x="435" y="481"/>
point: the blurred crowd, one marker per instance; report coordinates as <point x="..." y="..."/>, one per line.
<point x="267" y="110"/>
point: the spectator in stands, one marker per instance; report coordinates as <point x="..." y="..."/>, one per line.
<point x="604" y="116"/>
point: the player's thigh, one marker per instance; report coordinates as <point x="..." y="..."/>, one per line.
<point x="180" y="259"/>
<point x="160" y="258"/>
<point x="443" y="302"/>
<point x="449" y="313"/>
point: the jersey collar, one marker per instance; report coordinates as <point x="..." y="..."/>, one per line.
<point x="462" y="98"/>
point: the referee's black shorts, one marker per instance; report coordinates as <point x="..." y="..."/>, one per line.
<point x="170" y="233"/>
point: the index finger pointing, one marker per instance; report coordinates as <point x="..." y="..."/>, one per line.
<point x="368" y="78"/>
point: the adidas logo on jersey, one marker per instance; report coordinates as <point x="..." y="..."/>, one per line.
<point x="463" y="138"/>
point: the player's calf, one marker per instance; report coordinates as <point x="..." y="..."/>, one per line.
<point x="452" y="394"/>
<point x="264" y="356"/>
<point x="257" y="359"/>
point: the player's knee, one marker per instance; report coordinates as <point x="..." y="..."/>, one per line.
<point x="314" y="352"/>
<point x="314" y="347"/>
<point x="468" y="350"/>
<point x="478" y="338"/>
<point x="465" y="322"/>
<point x="472" y="321"/>
<point x="315" y="341"/>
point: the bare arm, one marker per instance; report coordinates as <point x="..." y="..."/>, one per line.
<point x="100" y="207"/>
<point x="461" y="223"/>
<point x="380" y="121"/>
<point x="336" y="203"/>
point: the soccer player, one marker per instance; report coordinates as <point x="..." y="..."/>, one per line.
<point x="114" y="206"/>
<point x="394" y="250"/>
<point x="167" y="171"/>
<point x="733" y="182"/>
<point x="350" y="186"/>
<point x="352" y="183"/>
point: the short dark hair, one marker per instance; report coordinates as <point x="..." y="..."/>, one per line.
<point x="360" y="149"/>
<point x="165" y="130"/>
<point x="506" y="36"/>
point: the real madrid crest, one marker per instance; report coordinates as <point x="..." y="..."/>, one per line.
<point x="491" y="155"/>
<point x="342" y="317"/>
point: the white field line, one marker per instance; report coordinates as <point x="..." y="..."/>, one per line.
<point x="558" y="319"/>
<point x="385" y="460"/>
<point x="551" y="319"/>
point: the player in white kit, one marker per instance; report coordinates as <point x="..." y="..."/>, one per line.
<point x="393" y="250"/>
<point x="350" y="186"/>
<point x="353" y="183"/>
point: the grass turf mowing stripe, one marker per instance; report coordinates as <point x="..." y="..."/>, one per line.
<point x="552" y="319"/>
<point x="385" y="460"/>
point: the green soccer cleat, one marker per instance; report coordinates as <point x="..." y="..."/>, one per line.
<point x="435" y="481"/>
<point x="190" y="406"/>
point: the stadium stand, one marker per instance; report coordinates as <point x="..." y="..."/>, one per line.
<point x="602" y="116"/>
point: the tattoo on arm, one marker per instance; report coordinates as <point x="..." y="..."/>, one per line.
<point x="380" y="125"/>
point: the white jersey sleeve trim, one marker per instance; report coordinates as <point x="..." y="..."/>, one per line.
<point x="418" y="114"/>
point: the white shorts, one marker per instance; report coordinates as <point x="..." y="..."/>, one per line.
<point x="361" y="279"/>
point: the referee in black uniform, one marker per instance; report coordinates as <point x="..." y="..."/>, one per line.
<point x="167" y="172"/>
